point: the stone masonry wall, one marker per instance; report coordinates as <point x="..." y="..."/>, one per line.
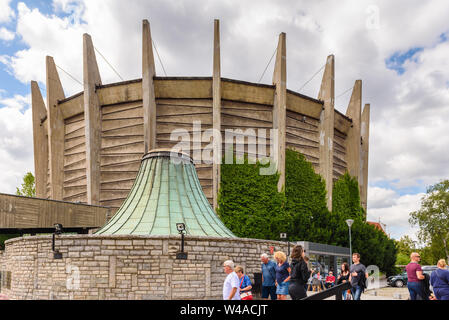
<point x="126" y="267"/>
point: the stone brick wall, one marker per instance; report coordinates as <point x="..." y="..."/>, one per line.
<point x="125" y="267"/>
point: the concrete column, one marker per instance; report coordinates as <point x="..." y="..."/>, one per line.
<point x="326" y="128"/>
<point x="55" y="130"/>
<point x="148" y="97"/>
<point x="216" y="115"/>
<point x="40" y="140"/>
<point x="364" y="153"/>
<point x="354" y="112"/>
<point x="92" y="119"/>
<point x="279" y="107"/>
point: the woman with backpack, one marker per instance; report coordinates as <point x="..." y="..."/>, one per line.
<point x="439" y="279"/>
<point x="299" y="274"/>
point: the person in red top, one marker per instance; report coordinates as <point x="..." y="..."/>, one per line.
<point x="414" y="277"/>
<point x="330" y="280"/>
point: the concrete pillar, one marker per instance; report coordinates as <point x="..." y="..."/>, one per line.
<point x="279" y="107"/>
<point x="216" y="115"/>
<point x="148" y="97"/>
<point x="55" y="130"/>
<point x="92" y="118"/>
<point x="40" y="140"/>
<point x="354" y="112"/>
<point x="326" y="128"/>
<point x="364" y="153"/>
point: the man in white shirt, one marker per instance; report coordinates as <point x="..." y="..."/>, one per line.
<point x="231" y="286"/>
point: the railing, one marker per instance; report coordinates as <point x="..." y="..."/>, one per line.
<point x="336" y="291"/>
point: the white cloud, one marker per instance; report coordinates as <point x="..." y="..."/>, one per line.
<point x="381" y="198"/>
<point x="74" y="7"/>
<point x="409" y="134"/>
<point x="18" y="102"/>
<point x="6" y="12"/>
<point x="47" y="35"/>
<point x="16" y="142"/>
<point x="6" y="35"/>
<point x="393" y="210"/>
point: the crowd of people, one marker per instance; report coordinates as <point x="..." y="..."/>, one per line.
<point x="281" y="278"/>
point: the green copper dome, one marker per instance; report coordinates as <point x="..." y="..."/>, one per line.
<point x="166" y="191"/>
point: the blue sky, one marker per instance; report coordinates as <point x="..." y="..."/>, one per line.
<point x="402" y="62"/>
<point x="8" y="82"/>
<point x="397" y="60"/>
<point x="392" y="185"/>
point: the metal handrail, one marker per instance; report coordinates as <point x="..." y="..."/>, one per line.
<point x="336" y="291"/>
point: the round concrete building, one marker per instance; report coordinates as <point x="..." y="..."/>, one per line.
<point x="108" y="146"/>
<point x="87" y="147"/>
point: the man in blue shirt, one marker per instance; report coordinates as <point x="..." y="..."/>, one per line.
<point x="268" y="277"/>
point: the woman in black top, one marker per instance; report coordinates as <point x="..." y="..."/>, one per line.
<point x="299" y="274"/>
<point x="343" y="277"/>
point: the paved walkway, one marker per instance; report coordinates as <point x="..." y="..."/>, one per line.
<point x="387" y="293"/>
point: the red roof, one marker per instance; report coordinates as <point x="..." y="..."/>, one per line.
<point x="377" y="225"/>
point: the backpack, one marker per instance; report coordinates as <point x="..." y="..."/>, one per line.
<point x="425" y="283"/>
<point x="363" y="282"/>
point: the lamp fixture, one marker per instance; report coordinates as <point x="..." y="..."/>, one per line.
<point x="181" y="255"/>
<point x="58" y="231"/>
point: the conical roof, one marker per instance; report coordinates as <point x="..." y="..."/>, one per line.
<point x="166" y="191"/>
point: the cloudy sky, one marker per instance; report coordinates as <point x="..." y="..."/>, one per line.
<point x="399" y="49"/>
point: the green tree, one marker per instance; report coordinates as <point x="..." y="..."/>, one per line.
<point x="430" y="254"/>
<point x="405" y="246"/>
<point x="373" y="245"/>
<point x="433" y="217"/>
<point x="28" y="188"/>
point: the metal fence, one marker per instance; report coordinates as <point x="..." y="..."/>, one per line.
<point x="336" y="291"/>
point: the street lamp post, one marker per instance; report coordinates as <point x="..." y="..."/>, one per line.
<point x="349" y="222"/>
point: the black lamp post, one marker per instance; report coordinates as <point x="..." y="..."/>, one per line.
<point x="58" y="231"/>
<point x="349" y="222"/>
<point x="181" y="227"/>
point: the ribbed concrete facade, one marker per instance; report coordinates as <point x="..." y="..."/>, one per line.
<point x="97" y="137"/>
